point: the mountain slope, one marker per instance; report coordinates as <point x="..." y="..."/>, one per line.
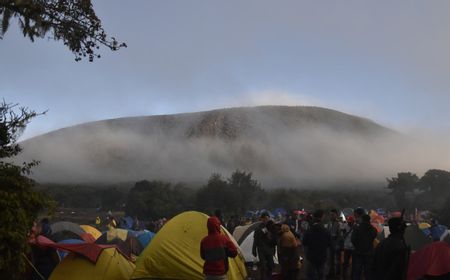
<point x="278" y="143"/>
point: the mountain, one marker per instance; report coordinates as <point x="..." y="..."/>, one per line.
<point x="280" y="144"/>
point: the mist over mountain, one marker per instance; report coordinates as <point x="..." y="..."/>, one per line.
<point x="281" y="145"/>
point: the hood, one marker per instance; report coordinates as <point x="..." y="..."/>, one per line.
<point x="213" y="225"/>
<point x="285" y="228"/>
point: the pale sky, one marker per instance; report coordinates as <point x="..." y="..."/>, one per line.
<point x="385" y="60"/>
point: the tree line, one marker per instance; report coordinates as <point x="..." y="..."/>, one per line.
<point x="233" y="195"/>
<point x="431" y="191"/>
<point x="241" y="192"/>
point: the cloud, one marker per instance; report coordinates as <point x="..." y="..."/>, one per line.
<point x="276" y="97"/>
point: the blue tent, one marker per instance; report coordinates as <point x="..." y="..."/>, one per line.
<point x="144" y="237"/>
<point x="63" y="254"/>
<point x="126" y="222"/>
<point x="437" y="231"/>
<point x="279" y="212"/>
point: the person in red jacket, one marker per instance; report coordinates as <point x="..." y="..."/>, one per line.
<point x="215" y="249"/>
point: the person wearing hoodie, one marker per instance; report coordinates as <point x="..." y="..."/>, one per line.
<point x="362" y="238"/>
<point x="215" y="249"/>
<point x="289" y="254"/>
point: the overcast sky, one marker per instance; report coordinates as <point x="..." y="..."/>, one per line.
<point x="385" y="60"/>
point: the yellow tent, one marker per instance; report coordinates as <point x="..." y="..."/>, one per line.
<point x="174" y="252"/>
<point x="91" y="230"/>
<point x="111" y="265"/>
<point x="424" y="225"/>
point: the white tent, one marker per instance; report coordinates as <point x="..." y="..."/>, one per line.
<point x="246" y="248"/>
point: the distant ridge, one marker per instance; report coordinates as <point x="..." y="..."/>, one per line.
<point x="234" y="122"/>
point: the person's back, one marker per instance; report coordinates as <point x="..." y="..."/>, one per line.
<point x="215" y="249"/>
<point x="316" y="242"/>
<point x="362" y="238"/>
<point x="391" y="255"/>
<point x="288" y="253"/>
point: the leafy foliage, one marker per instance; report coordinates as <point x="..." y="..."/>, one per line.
<point x="19" y="202"/>
<point x="104" y="197"/>
<point x="247" y="190"/>
<point x="156" y="199"/>
<point x="236" y="195"/>
<point x="216" y="194"/>
<point x="436" y="181"/>
<point x="400" y="185"/>
<point x="73" y="22"/>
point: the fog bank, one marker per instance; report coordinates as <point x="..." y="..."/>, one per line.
<point x="283" y="148"/>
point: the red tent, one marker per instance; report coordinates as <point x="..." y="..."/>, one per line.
<point x="432" y="260"/>
<point x="89" y="250"/>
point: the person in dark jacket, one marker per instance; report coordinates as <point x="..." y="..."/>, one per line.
<point x="392" y="254"/>
<point x="334" y="254"/>
<point x="264" y="243"/>
<point x="215" y="249"/>
<point x="317" y="241"/>
<point x="362" y="238"/>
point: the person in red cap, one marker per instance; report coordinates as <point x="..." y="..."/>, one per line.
<point x="215" y="249"/>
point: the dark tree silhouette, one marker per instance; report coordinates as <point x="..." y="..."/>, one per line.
<point x="436" y="182"/>
<point x="19" y="202"/>
<point x="400" y="185"/>
<point x="74" y="22"/>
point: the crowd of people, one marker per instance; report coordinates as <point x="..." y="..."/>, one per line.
<point x="331" y="248"/>
<point x="317" y="246"/>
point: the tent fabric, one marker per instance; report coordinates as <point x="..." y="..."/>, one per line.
<point x="241" y="232"/>
<point x="249" y="230"/>
<point x="66" y="226"/>
<point x="67" y="230"/>
<point x="247" y="246"/>
<point x="174" y="252"/>
<point x="279" y="212"/>
<point x="127" y="222"/>
<point x="87" y="237"/>
<point x="126" y="242"/>
<point x="424" y="225"/>
<point x="432" y="260"/>
<point x="41" y="241"/>
<point x="62" y="254"/>
<point x="415" y="238"/>
<point x="91" y="230"/>
<point x="111" y="265"/>
<point x="114" y="233"/>
<point x="89" y="250"/>
<point x="447" y="238"/>
<point x="438" y="231"/>
<point x="144" y="237"/>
